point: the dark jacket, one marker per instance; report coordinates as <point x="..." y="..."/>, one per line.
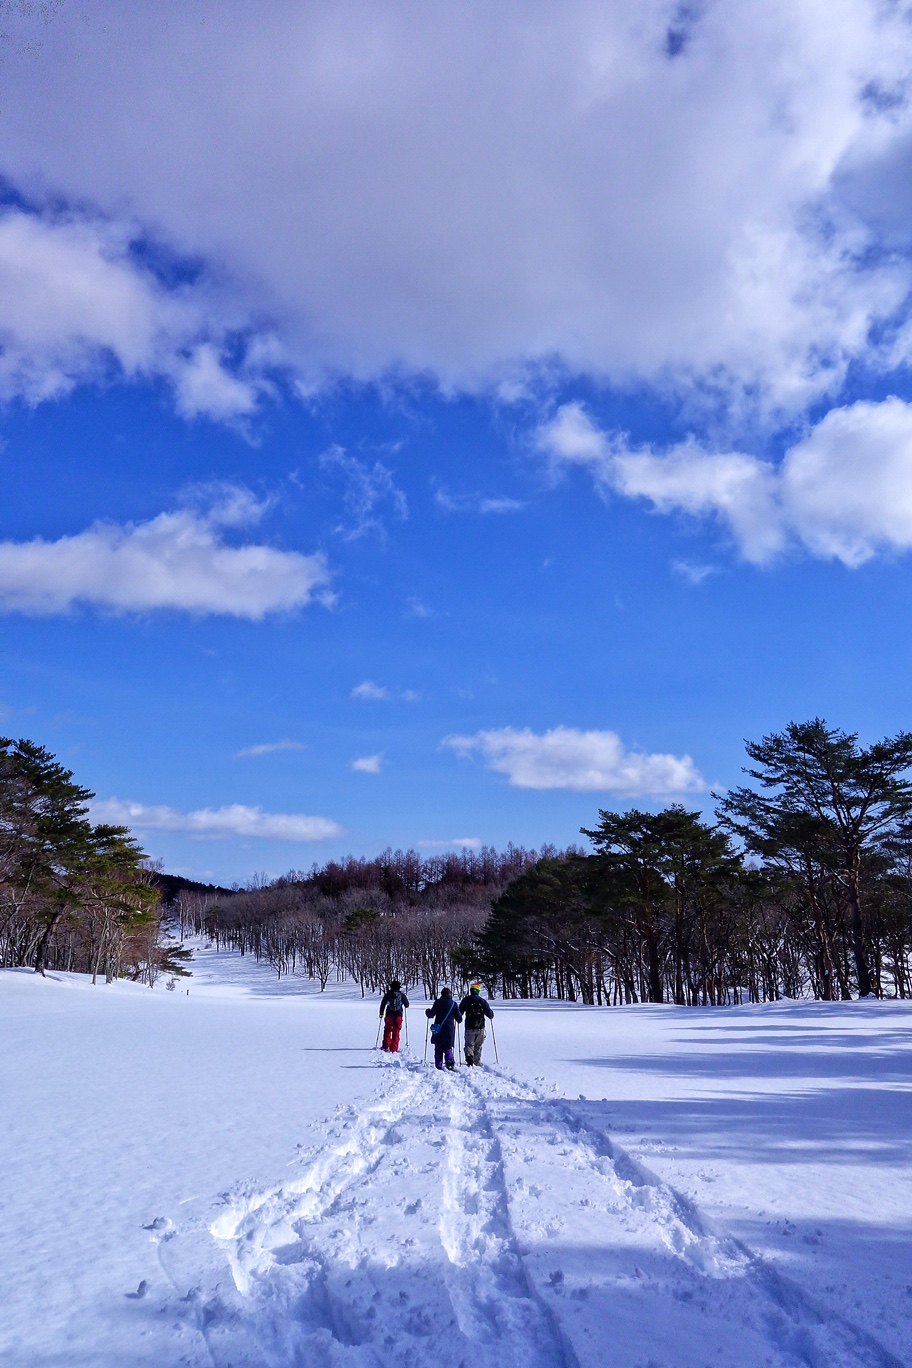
<point x="444" y="1010"/>
<point x="385" y="1004"/>
<point x="475" y="1008"/>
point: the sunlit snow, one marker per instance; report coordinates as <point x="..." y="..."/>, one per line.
<point x="233" y="1176"/>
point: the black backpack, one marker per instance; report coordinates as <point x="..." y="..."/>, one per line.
<point x="394" y="1004"/>
<point x="475" y="1014"/>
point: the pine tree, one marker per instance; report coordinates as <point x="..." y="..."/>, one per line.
<point x="826" y="804"/>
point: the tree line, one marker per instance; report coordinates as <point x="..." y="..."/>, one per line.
<point x="74" y="895"/>
<point x="800" y="887"/>
<point x="367" y="921"/>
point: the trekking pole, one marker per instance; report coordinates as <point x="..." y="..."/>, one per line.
<point x="458" y="1044"/>
<point x="494" y="1042"/>
<point x="426" y="1031"/>
<point x="405" y="1014"/>
<point x="379" y="1026"/>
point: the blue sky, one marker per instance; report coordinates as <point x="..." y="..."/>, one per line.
<point x="384" y="464"/>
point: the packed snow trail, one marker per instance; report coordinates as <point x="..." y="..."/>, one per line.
<point x="470" y="1221"/>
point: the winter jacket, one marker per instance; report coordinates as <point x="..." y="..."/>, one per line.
<point x="446" y="1011"/>
<point x="388" y="1005"/>
<point x="475" y="1008"/>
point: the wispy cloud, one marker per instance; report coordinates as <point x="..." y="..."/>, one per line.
<point x="368" y="764"/>
<point x="234" y="820"/>
<point x="589" y="761"/>
<point x="179" y="560"/>
<point x="370" y="493"/>
<point x="417" y="608"/>
<point x="268" y="748"/>
<point x="457" y="843"/>
<point x="371" y="692"/>
<point x="694" y="574"/>
<point x="476" y="503"/>
<point x="843" y="491"/>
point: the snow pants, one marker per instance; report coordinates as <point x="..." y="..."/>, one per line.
<point x="474" y="1040"/>
<point x="392" y="1025"/>
<point x="443" y="1056"/>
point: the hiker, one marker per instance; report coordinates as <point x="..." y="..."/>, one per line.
<point x="391" y="1008"/>
<point x="444" y="1015"/>
<point x="475" y="1009"/>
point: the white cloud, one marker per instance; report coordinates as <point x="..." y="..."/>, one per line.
<point x="268" y="748"/>
<point x="843" y="492"/>
<point x="205" y="387"/>
<point x="710" y="212"/>
<point x="457" y="843"/>
<point x="235" y="820"/>
<point x="370" y="692"/>
<point x="177" y="560"/>
<point x="572" y="437"/>
<point x="368" y="764"/>
<point x="847" y="486"/>
<point x="737" y="488"/>
<point x="565" y="758"/>
<point x="73" y="301"/>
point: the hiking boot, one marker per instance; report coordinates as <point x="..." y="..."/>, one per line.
<point x="451" y="1064"/>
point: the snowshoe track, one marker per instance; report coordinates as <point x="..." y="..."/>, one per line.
<point x="649" y="1267"/>
<point x="489" y="1289"/>
<point x="468" y="1221"/>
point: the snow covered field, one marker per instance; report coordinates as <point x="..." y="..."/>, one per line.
<point x="234" y="1177"/>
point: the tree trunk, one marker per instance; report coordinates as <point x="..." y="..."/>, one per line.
<point x="824" y="958"/>
<point x="41" y="952"/>
<point x="858" y="947"/>
<point x="653" y="975"/>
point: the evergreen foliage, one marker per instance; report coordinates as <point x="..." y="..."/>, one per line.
<point x="72" y="895"/>
<point x="827" y="807"/>
<point x="802" y="887"/>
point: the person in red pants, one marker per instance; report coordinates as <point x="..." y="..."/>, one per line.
<point x="391" y="1009"/>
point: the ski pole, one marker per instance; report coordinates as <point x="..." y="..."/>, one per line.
<point x="494" y="1042"/>
<point x="426" y="1031"/>
<point x="406" y="1027"/>
<point x="379" y="1025"/>
<point x="458" y="1044"/>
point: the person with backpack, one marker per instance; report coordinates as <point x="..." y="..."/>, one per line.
<point x="444" y="1016"/>
<point x="475" y="1009"/>
<point x="391" y="1009"/>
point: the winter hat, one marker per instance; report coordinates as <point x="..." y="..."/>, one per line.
<point x="445" y="992"/>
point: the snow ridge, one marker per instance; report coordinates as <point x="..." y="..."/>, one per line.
<point x="468" y="1221"/>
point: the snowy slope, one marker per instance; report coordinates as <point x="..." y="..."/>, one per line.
<point x="234" y="1177"/>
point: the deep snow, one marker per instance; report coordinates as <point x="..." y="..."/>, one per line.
<point x="235" y="1177"/>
